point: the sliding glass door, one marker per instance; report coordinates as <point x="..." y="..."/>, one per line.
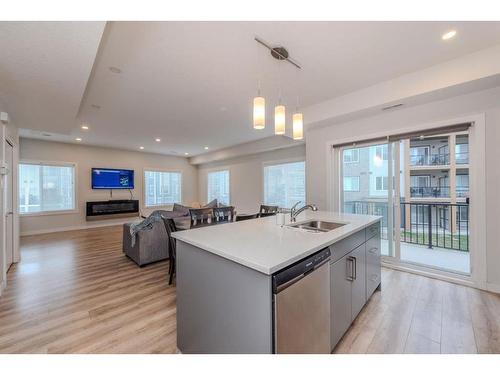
<point x="366" y="178"/>
<point x="421" y="191"/>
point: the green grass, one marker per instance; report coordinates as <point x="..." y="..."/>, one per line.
<point x="455" y="242"/>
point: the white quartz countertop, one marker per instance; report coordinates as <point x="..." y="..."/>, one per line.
<point x="266" y="247"/>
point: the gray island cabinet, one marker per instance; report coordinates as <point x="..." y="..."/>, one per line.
<point x="225" y="300"/>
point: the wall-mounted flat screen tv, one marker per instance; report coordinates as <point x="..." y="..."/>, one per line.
<point x="107" y="178"/>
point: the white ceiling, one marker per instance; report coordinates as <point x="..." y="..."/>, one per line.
<point x="191" y="83"/>
<point x="44" y="68"/>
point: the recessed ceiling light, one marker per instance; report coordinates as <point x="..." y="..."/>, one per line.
<point x="85" y="127"/>
<point x="158" y="140"/>
<point x="142" y="147"/>
<point x="206" y="147"/>
<point x="78" y="139"/>
<point x="186" y="153"/>
<point x="114" y="69"/>
<point x="448" y="35"/>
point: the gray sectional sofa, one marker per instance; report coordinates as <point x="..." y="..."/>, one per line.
<point x="151" y="244"/>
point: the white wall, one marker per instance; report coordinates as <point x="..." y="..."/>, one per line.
<point x="246" y="176"/>
<point x="8" y="132"/>
<point x="87" y="157"/>
<point x="486" y="102"/>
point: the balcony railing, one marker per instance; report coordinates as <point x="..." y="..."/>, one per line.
<point x="462" y="158"/>
<point x="443" y="225"/>
<point x="429" y="224"/>
<point x="428" y="160"/>
<point x="462" y="191"/>
<point x="430" y="192"/>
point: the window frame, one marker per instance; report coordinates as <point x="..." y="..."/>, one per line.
<point x="49" y="163"/>
<point x="352" y="161"/>
<point x="351" y="191"/>
<point x="146" y="169"/>
<point x="215" y="170"/>
<point x="421" y="175"/>
<point x="382" y="183"/>
<point x="382" y="148"/>
<point x="279" y="162"/>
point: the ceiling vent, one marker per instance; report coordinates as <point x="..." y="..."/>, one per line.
<point x="392" y="106"/>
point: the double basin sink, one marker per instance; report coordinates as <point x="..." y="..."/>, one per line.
<point x="317" y="226"/>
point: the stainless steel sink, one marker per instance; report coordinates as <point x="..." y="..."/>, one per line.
<point x="318" y="225"/>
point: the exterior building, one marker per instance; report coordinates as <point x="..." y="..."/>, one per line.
<point x="434" y="186"/>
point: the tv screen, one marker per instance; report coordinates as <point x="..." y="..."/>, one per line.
<point x="107" y="178"/>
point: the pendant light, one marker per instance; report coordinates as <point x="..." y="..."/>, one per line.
<point x="298" y="126"/>
<point x="297" y="118"/>
<point x="259" y="112"/>
<point x="279" y="113"/>
<point x="279" y="119"/>
<point x="281" y="54"/>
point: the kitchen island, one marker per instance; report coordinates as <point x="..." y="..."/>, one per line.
<point x="226" y="302"/>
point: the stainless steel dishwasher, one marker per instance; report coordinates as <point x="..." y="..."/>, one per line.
<point x="301" y="297"/>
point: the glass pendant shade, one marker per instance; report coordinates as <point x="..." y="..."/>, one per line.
<point x="298" y="126"/>
<point x="259" y="112"/>
<point x="279" y="120"/>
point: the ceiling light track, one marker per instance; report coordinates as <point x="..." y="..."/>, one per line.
<point x="279" y="53"/>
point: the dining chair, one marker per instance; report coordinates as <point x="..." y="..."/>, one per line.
<point x="224" y="214"/>
<point x="172" y="246"/>
<point x="246" y="217"/>
<point x="266" y="214"/>
<point x="201" y="217"/>
<point x="264" y="209"/>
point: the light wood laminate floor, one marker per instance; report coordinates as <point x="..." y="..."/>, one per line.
<point x="75" y="292"/>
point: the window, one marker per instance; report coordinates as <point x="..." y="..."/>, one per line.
<point x="46" y="187"/>
<point x="381" y="183"/>
<point x="419" y="155"/>
<point x="351" y="183"/>
<point x="162" y="188"/>
<point x="462" y="153"/>
<point x="351" y="155"/>
<point x="285" y="184"/>
<point x="420" y="181"/>
<point x="381" y="152"/>
<point x="218" y="186"/>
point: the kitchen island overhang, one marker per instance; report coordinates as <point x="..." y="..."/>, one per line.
<point x="224" y="278"/>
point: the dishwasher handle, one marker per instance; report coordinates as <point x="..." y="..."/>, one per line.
<point x="290" y="275"/>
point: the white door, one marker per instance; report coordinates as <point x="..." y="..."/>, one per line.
<point x="9" y="195"/>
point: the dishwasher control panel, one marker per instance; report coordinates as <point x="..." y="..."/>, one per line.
<point x="283" y="278"/>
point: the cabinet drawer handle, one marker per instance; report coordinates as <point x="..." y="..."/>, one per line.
<point x="373" y="250"/>
<point x="351" y="268"/>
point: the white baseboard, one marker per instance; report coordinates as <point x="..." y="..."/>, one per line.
<point x="78" y="227"/>
<point x="431" y="274"/>
<point x="495" y="288"/>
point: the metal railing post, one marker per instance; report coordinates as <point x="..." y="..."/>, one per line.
<point x="429" y="221"/>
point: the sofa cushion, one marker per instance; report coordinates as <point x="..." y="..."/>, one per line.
<point x="182" y="209"/>
<point x="211" y="204"/>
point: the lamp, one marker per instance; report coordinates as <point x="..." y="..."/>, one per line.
<point x="279" y="120"/>
<point x="259" y="112"/>
<point x="298" y="126"/>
